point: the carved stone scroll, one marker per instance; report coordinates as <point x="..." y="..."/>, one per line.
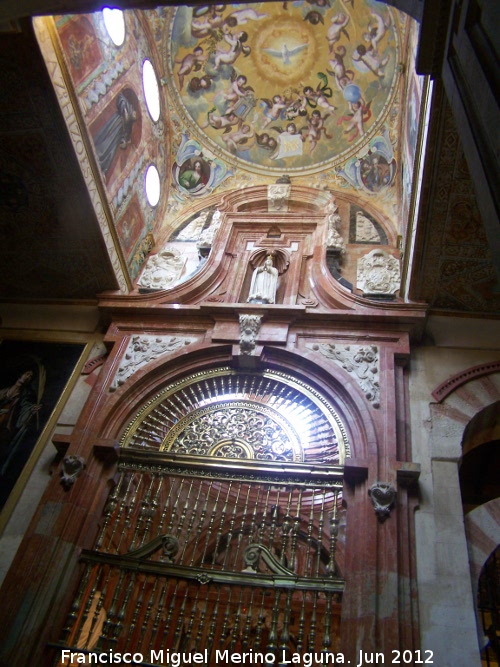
<point x="170" y="546"/>
<point x="143" y="349"/>
<point x="382" y="495"/>
<point x="252" y="555"/>
<point x="362" y="361"/>
<point x="72" y="468"/>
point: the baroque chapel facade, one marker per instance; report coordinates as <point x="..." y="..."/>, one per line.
<point x="277" y="435"/>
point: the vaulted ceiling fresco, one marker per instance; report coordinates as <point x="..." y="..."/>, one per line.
<point x="247" y="93"/>
<point x="93" y="218"/>
<point x="292" y="86"/>
<point x="310" y="89"/>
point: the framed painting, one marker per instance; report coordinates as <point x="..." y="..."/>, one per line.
<point x="35" y="380"/>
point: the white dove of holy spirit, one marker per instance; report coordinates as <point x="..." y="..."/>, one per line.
<point x="285" y="52"/>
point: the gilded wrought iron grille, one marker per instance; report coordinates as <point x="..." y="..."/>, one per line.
<point x="221" y="533"/>
<point x="210" y="563"/>
<point x="268" y="416"/>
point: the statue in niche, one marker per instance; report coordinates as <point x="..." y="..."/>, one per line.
<point x="264" y="283"/>
<point x="334" y="240"/>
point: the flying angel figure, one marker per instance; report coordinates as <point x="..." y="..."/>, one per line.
<point x="285" y="52"/>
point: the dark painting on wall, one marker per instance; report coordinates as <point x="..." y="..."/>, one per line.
<point x="33" y="376"/>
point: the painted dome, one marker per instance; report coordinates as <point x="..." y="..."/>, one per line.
<point x="295" y="85"/>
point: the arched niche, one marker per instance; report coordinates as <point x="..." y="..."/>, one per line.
<point x="478" y="473"/>
<point x="482" y="527"/>
<point x="332" y="385"/>
<point x="265" y="415"/>
<point x="227" y="476"/>
<point x="460" y="401"/>
<point x="281" y="261"/>
<point x="480" y="490"/>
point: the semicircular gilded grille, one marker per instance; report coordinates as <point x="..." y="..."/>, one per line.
<point x="269" y="416"/>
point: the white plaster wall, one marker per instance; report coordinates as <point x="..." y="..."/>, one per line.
<point x="447" y="618"/>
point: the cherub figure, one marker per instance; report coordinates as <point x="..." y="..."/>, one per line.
<point x="316" y="126"/>
<point x="273" y="108"/>
<point x="206" y="20"/>
<point x="241" y="136"/>
<point x="360" y="113"/>
<point x="319" y="98"/>
<point x="297" y="107"/>
<point x="225" y="121"/>
<point x="192" y="61"/>
<point x="266" y="141"/>
<point x="237" y="90"/>
<point x="291" y="128"/>
<point x="371" y="60"/>
<point x="237" y="47"/>
<point x="339" y="22"/>
<point x="341" y="75"/>
<point x="376" y="31"/>
<point x="198" y="83"/>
